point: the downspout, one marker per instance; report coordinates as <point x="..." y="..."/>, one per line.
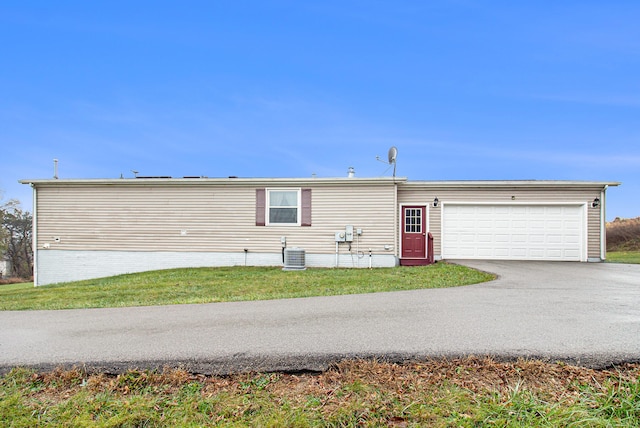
<point x="35" y="236"/>
<point x="396" y="227"/>
<point x="603" y="223"/>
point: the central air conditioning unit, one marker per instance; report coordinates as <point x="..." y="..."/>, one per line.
<point x="294" y="259"/>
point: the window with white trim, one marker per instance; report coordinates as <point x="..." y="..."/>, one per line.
<point x="283" y="206"/>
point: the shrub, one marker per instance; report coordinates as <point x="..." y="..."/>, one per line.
<point x="623" y="235"/>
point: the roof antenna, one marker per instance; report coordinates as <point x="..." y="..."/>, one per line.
<point x="391" y="158"/>
<point x="55" y="169"/>
<point x="135" y="173"/>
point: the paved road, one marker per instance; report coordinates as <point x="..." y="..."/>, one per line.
<point x="581" y="313"/>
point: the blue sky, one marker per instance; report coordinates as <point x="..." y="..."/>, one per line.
<point x="464" y="89"/>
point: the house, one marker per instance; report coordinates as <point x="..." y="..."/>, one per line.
<point x="89" y="228"/>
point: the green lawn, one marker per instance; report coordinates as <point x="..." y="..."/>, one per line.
<point x="15" y="286"/>
<point x="623" y="257"/>
<point x="224" y="284"/>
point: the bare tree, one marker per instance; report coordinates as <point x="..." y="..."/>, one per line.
<point x="16" y="238"/>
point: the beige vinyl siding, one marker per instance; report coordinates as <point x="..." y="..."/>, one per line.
<point x="368" y="208"/>
<point x="207" y="218"/>
<point x="414" y="194"/>
<point x="593" y="230"/>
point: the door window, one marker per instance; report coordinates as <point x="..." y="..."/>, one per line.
<point x="413" y="220"/>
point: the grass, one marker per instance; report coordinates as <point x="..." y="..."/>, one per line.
<point x="465" y="392"/>
<point x="623" y="257"/>
<point x="15" y="285"/>
<point x="205" y="285"/>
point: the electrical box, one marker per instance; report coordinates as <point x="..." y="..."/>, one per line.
<point x="339" y="236"/>
<point x="359" y="232"/>
<point x="348" y="233"/>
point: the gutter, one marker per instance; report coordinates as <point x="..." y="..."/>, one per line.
<point x="505" y="184"/>
<point x="340" y="181"/>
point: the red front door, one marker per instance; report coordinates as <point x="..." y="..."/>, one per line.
<point x="413" y="232"/>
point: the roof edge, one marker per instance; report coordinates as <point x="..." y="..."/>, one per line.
<point x="402" y="181"/>
<point x="510" y="183"/>
<point x="206" y="180"/>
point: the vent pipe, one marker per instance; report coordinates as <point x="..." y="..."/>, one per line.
<point x="55" y="169"/>
<point x="351" y="173"/>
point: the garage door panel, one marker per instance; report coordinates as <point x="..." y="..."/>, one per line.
<point x="468" y="252"/>
<point x="572" y="239"/>
<point x="518" y="212"/>
<point x="519" y="224"/>
<point x="537" y="254"/>
<point x="555" y="254"/>
<point x="554" y="239"/>
<point x="519" y="253"/>
<point x="537" y="238"/>
<point x="574" y="225"/>
<point x="519" y="239"/>
<point x="571" y="254"/>
<point x="485" y="252"/>
<point x="485" y="238"/>
<point x="467" y="238"/>
<point x="518" y="232"/>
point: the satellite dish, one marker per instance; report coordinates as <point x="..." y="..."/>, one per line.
<point x="392" y="155"/>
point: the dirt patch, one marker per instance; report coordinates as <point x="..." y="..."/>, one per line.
<point x="557" y="381"/>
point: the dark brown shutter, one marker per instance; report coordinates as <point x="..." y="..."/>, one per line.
<point x="306" y="207"/>
<point x="261" y="201"/>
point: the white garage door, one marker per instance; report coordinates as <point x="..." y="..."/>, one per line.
<point x="514" y="232"/>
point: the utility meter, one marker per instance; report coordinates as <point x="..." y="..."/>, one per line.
<point x="348" y="233"/>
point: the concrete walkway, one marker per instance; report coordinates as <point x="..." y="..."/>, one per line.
<point x="586" y="314"/>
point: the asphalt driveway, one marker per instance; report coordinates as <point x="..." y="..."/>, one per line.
<point x="586" y="314"/>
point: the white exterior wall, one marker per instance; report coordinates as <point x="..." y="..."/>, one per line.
<point x="61" y="266"/>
